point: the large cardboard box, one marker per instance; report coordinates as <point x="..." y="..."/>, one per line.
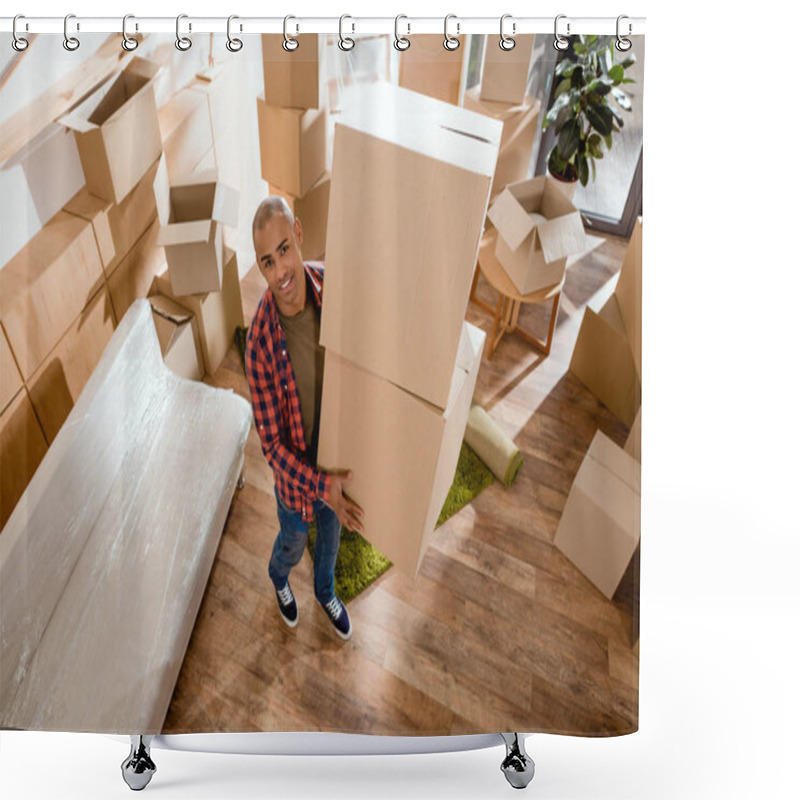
<point x="428" y="68"/>
<point x="409" y="188"/>
<point x="124" y="222"/>
<point x="22" y="447"/>
<point x="312" y="211"/>
<point x="628" y="292"/>
<point x="602" y="360"/>
<point x="633" y="444"/>
<point x="191" y="212"/>
<point x="55" y="386"/>
<point x="10" y="379"/>
<point x="403" y="451"/>
<point x="177" y="336"/>
<point x="185" y="122"/>
<point x="117" y="132"/>
<point x="520" y="123"/>
<point x="293" y="79"/>
<point x="600" y="525"/>
<point x="217" y="314"/>
<point x="45" y="287"/>
<point x="505" y="72"/>
<point x="135" y="275"/>
<point x="34" y="185"/>
<point x="293" y="146"/>
<point x="538" y="228"/>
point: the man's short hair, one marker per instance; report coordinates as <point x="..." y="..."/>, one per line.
<point x="268" y="208"/>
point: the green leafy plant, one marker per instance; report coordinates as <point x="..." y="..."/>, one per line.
<point x="583" y="120"/>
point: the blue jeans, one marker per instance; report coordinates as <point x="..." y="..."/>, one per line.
<point x="291" y="541"/>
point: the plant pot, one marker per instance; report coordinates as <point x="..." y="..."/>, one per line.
<point x="566" y="185"/>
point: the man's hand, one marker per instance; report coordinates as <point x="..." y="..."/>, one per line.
<point x="349" y="514"/>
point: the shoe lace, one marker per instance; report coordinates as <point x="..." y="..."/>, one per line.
<point x="285" y="595"/>
<point x="334" y="607"/>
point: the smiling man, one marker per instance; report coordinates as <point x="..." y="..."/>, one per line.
<point x="284" y="362"/>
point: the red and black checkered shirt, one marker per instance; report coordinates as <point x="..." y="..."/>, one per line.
<point x="276" y="403"/>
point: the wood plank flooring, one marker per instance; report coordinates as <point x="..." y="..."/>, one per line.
<point x="499" y="631"/>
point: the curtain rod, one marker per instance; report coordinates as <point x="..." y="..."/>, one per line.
<point x="351" y="25"/>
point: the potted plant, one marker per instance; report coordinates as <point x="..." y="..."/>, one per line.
<point x="582" y="117"/>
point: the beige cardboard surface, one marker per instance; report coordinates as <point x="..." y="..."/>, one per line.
<point x="600" y="525"/>
<point x="312" y="211"/>
<point x="520" y="123"/>
<point x="633" y="444"/>
<point x="22" y="447"/>
<point x="427" y="67"/>
<point x="131" y="502"/>
<point x="45" y="287"/>
<point x="134" y="277"/>
<point x="93" y="209"/>
<point x="603" y="362"/>
<point x="399" y="448"/>
<point x="175" y="328"/>
<point x="10" y="379"/>
<point x="505" y="72"/>
<point x="32" y="190"/>
<point x="55" y="386"/>
<point x="217" y="314"/>
<point x="629" y="294"/>
<point x="185" y="123"/>
<point x="293" y="145"/>
<point x="127" y="221"/>
<point x="117" y="131"/>
<point x="292" y="79"/>
<point x="399" y="264"/>
<point x="534" y="253"/>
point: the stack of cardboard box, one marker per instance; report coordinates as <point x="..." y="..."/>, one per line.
<point x="400" y="362"/>
<point x="607" y="357"/>
<point x="293" y="134"/>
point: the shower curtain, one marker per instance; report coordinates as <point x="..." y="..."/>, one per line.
<point x="468" y="244"/>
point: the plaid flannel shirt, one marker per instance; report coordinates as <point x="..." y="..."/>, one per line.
<point x="276" y="403"/>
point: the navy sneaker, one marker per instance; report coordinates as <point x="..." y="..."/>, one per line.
<point x="338" y="616"/>
<point x="287" y="605"/>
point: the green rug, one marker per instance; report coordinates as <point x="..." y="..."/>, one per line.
<point x="359" y="563"/>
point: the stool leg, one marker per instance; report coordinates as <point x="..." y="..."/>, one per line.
<point x="138" y="768"/>
<point x="553" y="318"/>
<point x="492" y="340"/>
<point x="517" y="766"/>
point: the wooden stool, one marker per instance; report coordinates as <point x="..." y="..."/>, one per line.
<point x="509" y="301"/>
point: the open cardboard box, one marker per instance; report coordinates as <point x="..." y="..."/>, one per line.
<point x="175" y="328"/>
<point x="538" y="228"/>
<point x="191" y="212"/>
<point x="117" y="132"/>
<point x="403" y="451"/>
<point x="400" y="262"/>
<point x="599" y="528"/>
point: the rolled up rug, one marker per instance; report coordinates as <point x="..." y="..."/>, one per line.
<point x="494" y="448"/>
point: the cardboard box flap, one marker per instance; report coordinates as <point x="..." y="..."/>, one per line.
<point x="185" y="233"/>
<point x="226" y="206"/>
<point x="614" y="458"/>
<point x="511" y="220"/>
<point x="161" y="192"/>
<point x="76" y="122"/>
<point x="169" y="309"/>
<point x="562" y="237"/>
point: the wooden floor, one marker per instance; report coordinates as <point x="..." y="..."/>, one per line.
<point x="498" y="633"/>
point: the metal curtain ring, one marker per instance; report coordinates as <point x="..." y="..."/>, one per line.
<point x="401" y="42"/>
<point x="71" y="43"/>
<point x="19" y="43"/>
<point x="561" y="42"/>
<point x="183" y="43"/>
<point x="507" y="42"/>
<point x="129" y="43"/>
<point x="623" y="45"/>
<point x="450" y="42"/>
<point x="290" y="44"/>
<point x="345" y="42"/>
<point x="234" y="45"/>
